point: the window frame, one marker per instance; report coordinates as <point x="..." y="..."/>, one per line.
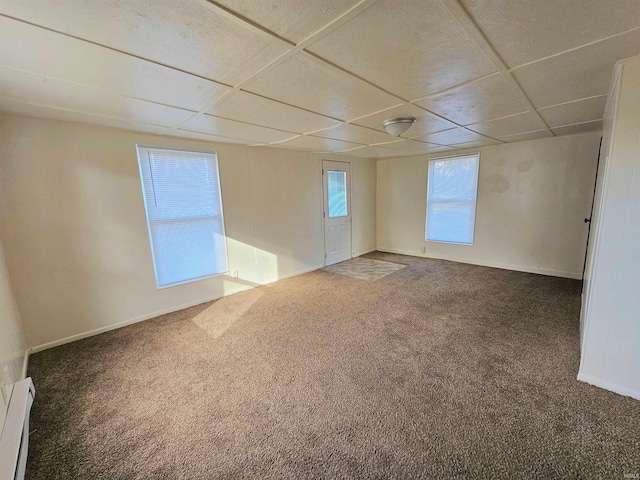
<point x="475" y="201"/>
<point x="148" y="219"/>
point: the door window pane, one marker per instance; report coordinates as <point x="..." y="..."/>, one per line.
<point x="337" y="195"/>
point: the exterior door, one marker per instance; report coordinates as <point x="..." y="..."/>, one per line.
<point x="336" y="178"/>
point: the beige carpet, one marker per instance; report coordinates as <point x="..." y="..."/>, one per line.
<point x="438" y="370"/>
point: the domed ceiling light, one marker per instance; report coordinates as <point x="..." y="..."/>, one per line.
<point x="398" y="126"/>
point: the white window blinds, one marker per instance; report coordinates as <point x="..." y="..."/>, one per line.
<point x="184" y="214"/>
<point x="337" y="198"/>
<point x="451" y="199"/>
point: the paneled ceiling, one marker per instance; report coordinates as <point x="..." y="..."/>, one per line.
<point x="319" y="75"/>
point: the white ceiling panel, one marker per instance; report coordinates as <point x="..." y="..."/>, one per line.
<point x="410" y="48"/>
<point x="311" y="84"/>
<point x="156" y="63"/>
<point x="578" y="128"/>
<point x="36" y="90"/>
<point x="523" y="122"/>
<point x="190" y="35"/>
<point x="377" y="151"/>
<point x="294" y="20"/>
<point x="450" y="137"/>
<point x="415" y="148"/>
<point x="208" y="137"/>
<point x="485" y="99"/>
<point x="36" y="50"/>
<point x="317" y="144"/>
<point x="574" y="112"/>
<point x="425" y="122"/>
<point x="50" y="113"/>
<point x="526" y="30"/>
<point x="578" y="74"/>
<point x="521" y="137"/>
<point x="356" y="134"/>
<point x="231" y="128"/>
<point x="485" y="142"/>
<point x="252" y="108"/>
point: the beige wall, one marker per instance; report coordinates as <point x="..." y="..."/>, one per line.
<point x="363" y="197"/>
<point x="611" y="298"/>
<point x="74" y="230"/>
<point x="533" y="198"/>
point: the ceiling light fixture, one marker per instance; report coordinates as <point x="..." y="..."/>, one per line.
<point x="398" y="126"/>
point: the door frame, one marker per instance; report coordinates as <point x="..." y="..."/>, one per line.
<point x="323" y="213"/>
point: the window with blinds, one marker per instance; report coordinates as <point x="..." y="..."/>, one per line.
<point x="182" y="199"/>
<point x="452" y="188"/>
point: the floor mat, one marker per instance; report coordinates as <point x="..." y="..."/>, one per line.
<point x="364" y="268"/>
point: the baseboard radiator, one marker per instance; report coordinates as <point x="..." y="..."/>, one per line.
<point x="14" y="440"/>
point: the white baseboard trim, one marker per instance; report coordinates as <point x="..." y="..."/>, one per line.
<point x="612" y="387"/>
<point x="359" y="254"/>
<point x="141" y="318"/>
<point x="504" y="266"/>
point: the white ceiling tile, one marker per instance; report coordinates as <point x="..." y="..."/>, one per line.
<point x="376" y="152"/>
<point x="417" y="148"/>
<point x="208" y="137"/>
<point x="521" y="123"/>
<point x="521" y="137"/>
<point x="425" y="122"/>
<point x="35" y="50"/>
<point x="450" y="137"/>
<point x="574" y="112"/>
<point x="312" y="84"/>
<point x="578" y="128"/>
<point x="485" y="99"/>
<point x="232" y="129"/>
<point x="36" y="90"/>
<point x="291" y="19"/>
<point x="192" y="36"/>
<point x="50" y="113"/>
<point x="525" y="30"/>
<point x="316" y="144"/>
<point x="441" y="148"/>
<point x="485" y="142"/>
<point x="578" y="74"/>
<point x="252" y="108"/>
<point x="355" y="133"/>
<point x="410" y="48"/>
<point x="39" y="111"/>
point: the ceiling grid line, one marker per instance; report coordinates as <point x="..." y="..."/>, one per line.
<point x="470" y="26"/>
<point x="574" y="49"/>
<point x="328" y="72"/>
<point x="122" y="52"/>
<point x="294" y="49"/>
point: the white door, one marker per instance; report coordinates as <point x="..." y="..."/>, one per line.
<point x="336" y="178"/>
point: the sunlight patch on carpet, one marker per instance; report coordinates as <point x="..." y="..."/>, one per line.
<point x="365" y="268"/>
<point x="223" y="313"/>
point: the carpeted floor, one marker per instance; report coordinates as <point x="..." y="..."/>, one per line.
<point x="438" y="370"/>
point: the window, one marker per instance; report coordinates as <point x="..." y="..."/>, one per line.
<point x="182" y="200"/>
<point x="337" y="189"/>
<point x="451" y="199"/>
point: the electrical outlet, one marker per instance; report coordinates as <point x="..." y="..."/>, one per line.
<point x="234" y="273"/>
<point x="424" y="249"/>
